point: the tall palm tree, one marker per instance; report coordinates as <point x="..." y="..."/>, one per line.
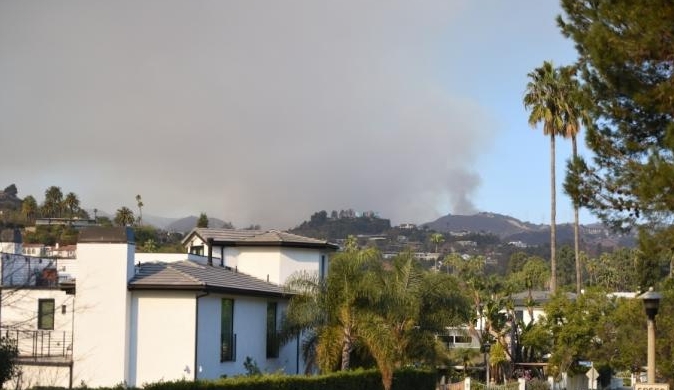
<point x="575" y="113"/>
<point x="53" y="202"/>
<point x="544" y="97"/>
<point x="139" y="201"/>
<point x="72" y="203"/>
<point x="437" y="239"/>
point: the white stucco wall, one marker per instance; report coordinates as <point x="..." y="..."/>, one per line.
<point x="161" y="345"/>
<point x="261" y="262"/>
<point x="20" y="308"/>
<point x="102" y="313"/>
<point x="298" y="259"/>
<point x="32" y="376"/>
<point x="250" y="327"/>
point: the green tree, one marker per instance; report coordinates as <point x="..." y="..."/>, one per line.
<point x="8" y="355"/>
<point x="574" y="110"/>
<point x="29" y="209"/>
<point x="544" y="96"/>
<point x="124" y="217"/>
<point x="437" y="239"/>
<point x="72" y="204"/>
<point x="53" y="202"/>
<point x="202" y="222"/>
<point x="626" y="65"/>
<point x="139" y="202"/>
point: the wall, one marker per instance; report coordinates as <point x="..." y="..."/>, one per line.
<point x="298" y="259"/>
<point x="260" y="262"/>
<point x="102" y="306"/>
<point x="161" y="344"/>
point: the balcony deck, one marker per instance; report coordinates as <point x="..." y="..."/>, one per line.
<point x="41" y="347"/>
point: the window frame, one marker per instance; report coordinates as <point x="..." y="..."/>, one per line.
<point x="227" y="335"/>
<point x="43" y="316"/>
<point x="273" y="345"/>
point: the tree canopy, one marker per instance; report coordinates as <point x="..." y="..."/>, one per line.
<point x="625" y="58"/>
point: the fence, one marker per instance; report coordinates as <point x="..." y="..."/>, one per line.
<point x="40" y="343"/>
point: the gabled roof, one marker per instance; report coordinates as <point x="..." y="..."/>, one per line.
<point x="189" y="275"/>
<point x="234" y="237"/>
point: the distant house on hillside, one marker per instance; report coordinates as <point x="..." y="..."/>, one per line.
<point x="111" y="316"/>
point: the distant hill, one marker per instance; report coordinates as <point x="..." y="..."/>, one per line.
<point x="339" y="227"/>
<point x="498" y="224"/>
<point x="511" y="229"/>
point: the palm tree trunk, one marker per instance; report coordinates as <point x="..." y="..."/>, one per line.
<point x="346" y="351"/>
<point x="553" y="216"/>
<point x="576" y="227"/>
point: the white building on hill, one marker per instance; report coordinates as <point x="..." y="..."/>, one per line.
<point x="110" y="317"/>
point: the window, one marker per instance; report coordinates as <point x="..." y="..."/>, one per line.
<point x="45" y="314"/>
<point x="272" y="334"/>
<point x="227" y="336"/>
<point x="197" y="250"/>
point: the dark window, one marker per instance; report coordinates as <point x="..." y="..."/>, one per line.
<point x="227" y="336"/>
<point x="197" y="250"/>
<point x="460" y="339"/>
<point x="45" y="314"/>
<point x="272" y="333"/>
<point x="519" y="315"/>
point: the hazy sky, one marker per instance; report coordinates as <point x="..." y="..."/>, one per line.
<point x="267" y="111"/>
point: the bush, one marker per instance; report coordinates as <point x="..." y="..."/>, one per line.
<point x="357" y="379"/>
<point x="538" y="384"/>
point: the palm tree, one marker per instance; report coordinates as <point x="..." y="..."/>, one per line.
<point x="29" y="208"/>
<point x="139" y="201"/>
<point x="124" y="217"/>
<point x="437" y="238"/>
<point x="53" y="202"/>
<point x="328" y="310"/>
<point x="544" y="96"/>
<point x="574" y="101"/>
<point x="72" y="203"/>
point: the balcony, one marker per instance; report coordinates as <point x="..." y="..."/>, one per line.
<point x="41" y="347"/>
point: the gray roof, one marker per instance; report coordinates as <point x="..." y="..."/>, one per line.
<point x="235" y="237"/>
<point x="189" y="275"/>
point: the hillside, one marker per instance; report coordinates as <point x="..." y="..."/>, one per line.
<point x="500" y="225"/>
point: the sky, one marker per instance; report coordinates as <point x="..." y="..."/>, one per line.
<point x="264" y="112"/>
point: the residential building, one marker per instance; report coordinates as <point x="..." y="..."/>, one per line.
<point x="110" y="316"/>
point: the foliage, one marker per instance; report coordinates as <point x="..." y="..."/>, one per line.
<point x="8" y="367"/>
<point x="321" y="226"/>
<point x="51" y="235"/>
<point x="251" y="367"/>
<point x="392" y="312"/>
<point x="359" y="379"/>
<point x="626" y="65"/>
<point x="124" y="217"/>
<point x="537" y="384"/>
<point x="202" y="222"/>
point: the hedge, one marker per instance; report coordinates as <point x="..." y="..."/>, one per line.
<point x="407" y="379"/>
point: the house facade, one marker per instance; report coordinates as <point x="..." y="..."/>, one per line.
<point x="122" y="318"/>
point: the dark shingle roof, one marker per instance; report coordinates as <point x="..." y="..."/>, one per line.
<point x="189" y="275"/>
<point x="236" y="237"/>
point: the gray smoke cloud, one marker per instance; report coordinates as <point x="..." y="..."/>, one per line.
<point x="251" y="111"/>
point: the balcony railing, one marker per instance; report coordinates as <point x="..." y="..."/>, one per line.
<point x="41" y="345"/>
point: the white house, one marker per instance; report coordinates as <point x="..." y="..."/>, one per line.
<point x="269" y="255"/>
<point x="120" y="318"/>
